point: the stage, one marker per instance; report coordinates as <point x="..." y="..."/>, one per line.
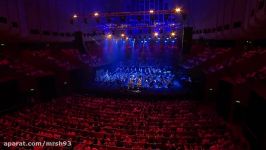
<point x="139" y="79"/>
<point x="139" y="68"/>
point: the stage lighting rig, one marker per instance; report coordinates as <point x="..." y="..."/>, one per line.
<point x="156" y="34"/>
<point x="75" y="16"/>
<point x="151" y="11"/>
<point x="178" y="10"/>
<point x="109" y="36"/>
<point x="123" y="35"/>
<point x="173" y="34"/>
<point x="96" y="14"/>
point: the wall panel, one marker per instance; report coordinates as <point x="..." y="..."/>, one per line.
<point x="4" y="16"/>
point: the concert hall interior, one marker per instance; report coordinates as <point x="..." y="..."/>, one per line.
<point x="133" y="74"/>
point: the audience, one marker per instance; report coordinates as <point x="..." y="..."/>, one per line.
<point x="108" y="123"/>
<point x="238" y="66"/>
<point x="208" y="54"/>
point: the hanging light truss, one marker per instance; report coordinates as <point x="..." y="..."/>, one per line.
<point x="176" y="11"/>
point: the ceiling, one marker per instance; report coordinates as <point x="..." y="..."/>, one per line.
<point x="51" y="19"/>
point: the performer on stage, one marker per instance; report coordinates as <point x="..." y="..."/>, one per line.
<point x="132" y="75"/>
<point x="131" y="84"/>
<point x="139" y="84"/>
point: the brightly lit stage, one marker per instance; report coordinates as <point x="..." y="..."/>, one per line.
<point x="140" y="67"/>
<point x="137" y="76"/>
<point x="139" y="80"/>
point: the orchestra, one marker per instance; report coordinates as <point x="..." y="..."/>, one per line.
<point x="137" y="77"/>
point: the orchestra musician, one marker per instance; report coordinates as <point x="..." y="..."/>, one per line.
<point x="131" y="84"/>
<point x="139" y="84"/>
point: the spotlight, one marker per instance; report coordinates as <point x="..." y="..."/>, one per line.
<point x="109" y="36"/>
<point x="123" y="35"/>
<point x="2" y="44"/>
<point x="96" y="14"/>
<point x="156" y="34"/>
<point x="178" y="10"/>
<point x="173" y="34"/>
<point x="127" y="38"/>
<point x="75" y="16"/>
<point x="151" y="11"/>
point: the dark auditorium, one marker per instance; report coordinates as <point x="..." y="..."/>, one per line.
<point x="132" y="75"/>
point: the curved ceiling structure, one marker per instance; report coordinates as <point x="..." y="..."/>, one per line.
<point x="226" y="19"/>
<point x="51" y="20"/>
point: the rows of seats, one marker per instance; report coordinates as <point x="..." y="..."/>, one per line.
<point x="19" y="67"/>
<point x="27" y="69"/>
<point x="239" y="66"/>
<point x="37" y="63"/>
<point x="50" y="57"/>
<point x="242" y="68"/>
<point x="88" y="59"/>
<point x="207" y="54"/>
<point x="242" y="60"/>
<point x="257" y="75"/>
<point x="108" y="123"/>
